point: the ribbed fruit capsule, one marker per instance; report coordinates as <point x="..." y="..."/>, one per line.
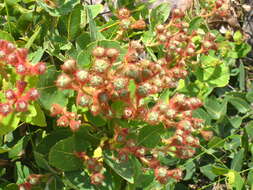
<point x="63" y="81"/>
<point x="10" y="94"/>
<point x="112" y="53"/>
<point x="84" y="100"/>
<point x="39" y="68"/>
<point x="5" y="109"/>
<point x="21" y="106"/>
<point x="33" y="94"/>
<point x="82" y="76"/>
<point x="96" y="80"/>
<point x="98" y="52"/>
<point x="69" y="66"/>
<point x="100" y="65"/>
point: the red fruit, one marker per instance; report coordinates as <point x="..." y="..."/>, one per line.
<point x="82" y="76"/>
<point x="21" y="69"/>
<point x="5" y="109"/>
<point x="123" y="13"/>
<point x="33" y="94"/>
<point x="207" y="135"/>
<point x="34" y="179"/>
<point x="21" y="105"/>
<point x="69" y="66"/>
<point x="63" y="81"/>
<point x="139" y="25"/>
<point x="10" y="94"/>
<point x="112" y="53"/>
<point x="100" y="65"/>
<point x="194" y="103"/>
<point x="97" y="178"/>
<point x="83" y="100"/>
<point x="176" y="174"/>
<point x="74" y="125"/>
<point x="25" y="186"/>
<point x="63" y="121"/>
<point x="39" y="68"/>
<point x="56" y="109"/>
<point x="160" y="28"/>
<point x="161" y="174"/>
<point x="98" y="52"/>
<point x="140" y="152"/>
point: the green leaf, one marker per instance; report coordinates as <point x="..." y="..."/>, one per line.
<point x="237" y="162"/>
<point x="36" y="56"/>
<point x="249" y="96"/>
<point x="6" y="36"/>
<point x="11" y="186"/>
<point x="235" y="180"/>
<point x="242" y="49"/>
<point x="219" y="170"/>
<point x="238" y="37"/>
<point x="49" y="93"/>
<point x="51" y="139"/>
<point x="39" y="119"/>
<point x="215" y="109"/>
<point x="190" y="169"/>
<point x="22" y="172"/>
<point x="123" y="169"/>
<point x="94" y="33"/>
<point x="34" y="116"/>
<point x="96" y="120"/>
<point x="195" y="23"/>
<point x="242" y="77"/>
<point x="212" y="74"/>
<point x="62" y="7"/>
<point x="18" y="149"/>
<point x="9" y="123"/>
<point x="149" y="136"/>
<point x="240" y="104"/>
<point x="41" y="161"/>
<point x="207" y="171"/>
<point x="95" y="9"/>
<point x="84" y="57"/>
<point x="74" y="21"/>
<point x="159" y="14"/>
<point x="249" y="129"/>
<point x="33" y="37"/>
<point x="62" y="154"/>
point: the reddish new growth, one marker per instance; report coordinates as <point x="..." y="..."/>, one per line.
<point x="66" y="118"/>
<point x="18" y="99"/>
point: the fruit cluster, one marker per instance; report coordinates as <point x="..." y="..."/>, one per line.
<point x="128" y="22"/>
<point x="94" y="167"/>
<point x="66" y="118"/>
<point x="111" y="78"/>
<point x="12" y="57"/>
